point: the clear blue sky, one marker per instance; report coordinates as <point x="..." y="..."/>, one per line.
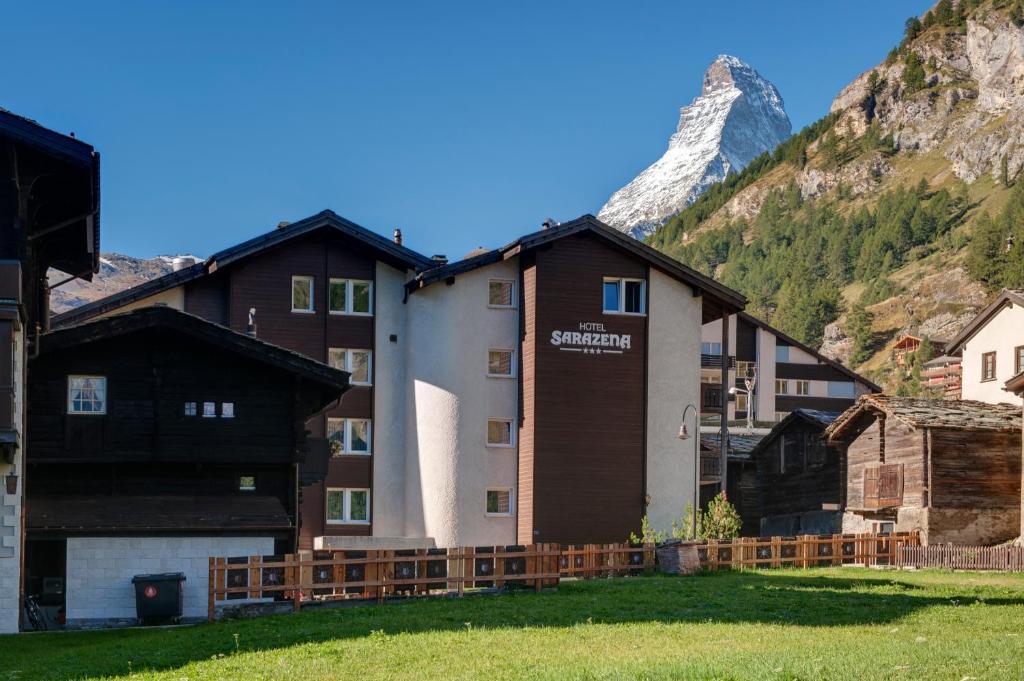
<point x="465" y="124"/>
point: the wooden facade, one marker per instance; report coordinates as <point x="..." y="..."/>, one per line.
<point x="951" y="469"/>
<point x="800" y="477"/>
<point x="582" y="451"/>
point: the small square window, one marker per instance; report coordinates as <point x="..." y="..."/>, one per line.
<point x="348" y="506"/>
<point x="499" y="502"/>
<point x="87" y="395"/>
<point x="803" y="387"/>
<point x="624" y="296"/>
<point x="338" y="296"/>
<point x="781" y="387"/>
<point x="247" y="483"/>
<point x="302" y="294"/>
<point x="227" y="410"/>
<point x="190" y="409"/>
<point x="209" y="410"/>
<point x="499" y="363"/>
<point x="499" y="293"/>
<point x="499" y="432"/>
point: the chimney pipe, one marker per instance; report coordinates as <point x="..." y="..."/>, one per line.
<point x="548" y="223"/>
<point x="178" y="264"/>
<point x="398" y="236"/>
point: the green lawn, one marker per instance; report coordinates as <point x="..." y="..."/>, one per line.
<point x="784" y="624"/>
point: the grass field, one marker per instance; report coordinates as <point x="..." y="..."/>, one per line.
<point x="812" y="624"/>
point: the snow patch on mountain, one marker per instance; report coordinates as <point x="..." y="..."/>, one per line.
<point x="738" y="116"/>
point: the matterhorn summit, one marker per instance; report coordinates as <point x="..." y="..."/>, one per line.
<point x="738" y="116"/>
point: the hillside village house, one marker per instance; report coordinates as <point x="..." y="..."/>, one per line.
<point x="942" y="376"/>
<point x="992" y="348"/>
<point x="156" y="440"/>
<point x="788" y="375"/>
<point x="530" y="393"/>
<point x="49" y="218"/>
<point x="949" y="469"/>
<point x="801" y="476"/>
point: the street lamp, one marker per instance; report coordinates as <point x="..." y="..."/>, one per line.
<point x="685" y="435"/>
<point x="750" y="381"/>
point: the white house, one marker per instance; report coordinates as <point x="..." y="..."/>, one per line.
<point x="992" y="347"/>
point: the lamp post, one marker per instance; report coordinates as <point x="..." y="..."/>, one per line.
<point x="685" y="435"/>
<point x="750" y="381"/>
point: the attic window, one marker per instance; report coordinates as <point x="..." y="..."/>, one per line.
<point x="247" y="483"/>
<point x="87" y="395"/>
<point x="209" y="410"/>
<point x="227" y="410"/>
<point x="190" y="408"/>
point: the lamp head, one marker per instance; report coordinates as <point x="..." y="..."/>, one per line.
<point x="684" y="434"/>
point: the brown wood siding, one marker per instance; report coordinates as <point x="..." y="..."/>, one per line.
<point x="588" y="451"/>
<point x="790" y="403"/>
<point x="209" y="298"/>
<point x="810" y="372"/>
<point x="746" y="341"/>
<point x="903" y="446"/>
<point x="975" y="470"/>
<point x="527" y="401"/>
<point x="811" y="478"/>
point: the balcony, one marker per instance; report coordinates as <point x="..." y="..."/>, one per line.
<point x="715" y="361"/>
<point x="710" y="397"/>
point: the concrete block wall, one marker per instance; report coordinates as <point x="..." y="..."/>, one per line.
<point x="100" y="570"/>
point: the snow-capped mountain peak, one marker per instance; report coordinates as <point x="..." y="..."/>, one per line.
<point x="738" y="116"/>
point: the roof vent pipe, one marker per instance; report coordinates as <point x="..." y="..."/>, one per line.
<point x="549" y="223"/>
<point x="397" y="236"/>
<point x="283" y="224"/>
<point x="440" y="259"/>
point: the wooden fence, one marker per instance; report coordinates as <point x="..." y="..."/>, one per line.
<point x="1004" y="558"/>
<point x="344" y="574"/>
<point x="805" y="551"/>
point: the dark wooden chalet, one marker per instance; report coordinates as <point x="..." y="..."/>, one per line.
<point x="948" y="468"/>
<point x="156" y="423"/>
<point x="741" y="485"/>
<point x="800" y="476"/>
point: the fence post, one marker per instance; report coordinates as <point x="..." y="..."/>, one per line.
<point x="254" y="576"/>
<point x="211" y="608"/>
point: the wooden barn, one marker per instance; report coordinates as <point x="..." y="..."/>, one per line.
<point x="158" y="439"/>
<point x="800" y="476"/>
<point x="950" y="469"/>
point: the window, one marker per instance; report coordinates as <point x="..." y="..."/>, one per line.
<point x="499" y="293"/>
<point x="499" y="363"/>
<point x="988" y="366"/>
<point x="1018" y="359"/>
<point x="227" y="410"/>
<point x="711" y="348"/>
<point x="209" y="410"/>
<point x="87" y="395"/>
<point x="499" y="501"/>
<point x="746" y="369"/>
<point x="499" y="432"/>
<point x="842" y="389"/>
<point x="302" y="294"/>
<point x="624" y="296"/>
<point x="350" y="296"/>
<point x="741" y="402"/>
<point x="803" y="387"/>
<point x="247" y="483"/>
<point x="356" y="362"/>
<point x="781" y="387"/>
<point x="350" y="506"/>
<point x="781" y="353"/>
<point x="348" y="436"/>
<point x="190" y="409"/>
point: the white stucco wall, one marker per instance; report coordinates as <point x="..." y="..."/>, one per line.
<point x="100" y="570"/>
<point x="11" y="507"/>
<point x="765" y="388"/>
<point x="1002" y="334"/>
<point x="673" y="381"/>
<point x="449" y="399"/>
<point x="389" y="394"/>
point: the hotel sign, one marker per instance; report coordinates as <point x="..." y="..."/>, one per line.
<point x="591" y="339"/>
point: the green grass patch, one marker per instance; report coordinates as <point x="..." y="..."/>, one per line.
<point x="784" y="624"/>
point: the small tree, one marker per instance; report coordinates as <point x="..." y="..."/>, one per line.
<point x="648" y="535"/>
<point x="721" y="520"/>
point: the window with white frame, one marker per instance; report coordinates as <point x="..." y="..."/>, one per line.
<point x="247" y="483"/>
<point x="781" y="386"/>
<point x="302" y="294"/>
<point x="190" y="409"/>
<point x="499" y="501"/>
<point x="356" y="362"/>
<point x="209" y="410"/>
<point x="87" y="395"/>
<point x="803" y="387"/>
<point x="711" y="348"/>
<point x="746" y="369"/>
<point x="499" y="432"/>
<point x="500" y="363"/>
<point x="348" y="506"/>
<point x="350" y="296"/>
<point x="348" y="436"/>
<point x="624" y="296"/>
<point x="500" y="293"/>
<point x="227" y="410"/>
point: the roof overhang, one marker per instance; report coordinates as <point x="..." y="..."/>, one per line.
<point x="1006" y="298"/>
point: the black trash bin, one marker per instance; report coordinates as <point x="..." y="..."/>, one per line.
<point x="159" y="598"/>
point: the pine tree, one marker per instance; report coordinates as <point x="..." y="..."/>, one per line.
<point x="858" y="324"/>
<point x="913" y="74"/>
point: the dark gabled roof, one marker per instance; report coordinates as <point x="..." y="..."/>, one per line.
<point x="586" y="223"/>
<point x="966" y="415"/>
<point x="809" y="350"/>
<point x="70" y="150"/>
<point x="162" y="316"/>
<point x="386" y="250"/>
<point x="1006" y="297"/>
<point x="741" y="445"/>
<point x="822" y="419"/>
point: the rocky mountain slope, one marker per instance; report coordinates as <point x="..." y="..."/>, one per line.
<point x="117" y="273"/>
<point x="899" y="211"/>
<point x="738" y="116"/>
